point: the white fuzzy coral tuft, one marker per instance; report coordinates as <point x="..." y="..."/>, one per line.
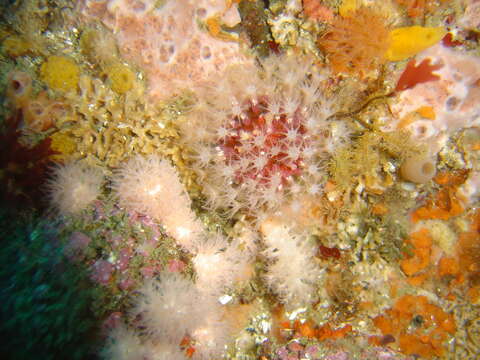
<point x="172" y="307"/>
<point x="123" y="344"/>
<point x="292" y="273"/>
<point x="73" y="187"/>
<point x="151" y="185"/>
<point x="211" y="337"/>
<point x="218" y="264"/>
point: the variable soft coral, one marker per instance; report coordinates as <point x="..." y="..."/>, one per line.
<point x="259" y="131"/>
<point x="150" y="185"/>
<point x="292" y="272"/>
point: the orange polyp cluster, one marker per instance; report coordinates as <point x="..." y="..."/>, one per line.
<point x="419" y="328"/>
<point x="356" y="44"/>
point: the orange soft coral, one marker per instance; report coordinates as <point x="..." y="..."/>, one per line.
<point x="356" y="44"/>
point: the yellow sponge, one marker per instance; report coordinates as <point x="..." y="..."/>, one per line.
<point x="121" y="77"/>
<point x="409" y="41"/>
<point x="60" y="73"/>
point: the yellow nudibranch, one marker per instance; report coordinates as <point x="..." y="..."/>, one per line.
<point x="408" y="41"/>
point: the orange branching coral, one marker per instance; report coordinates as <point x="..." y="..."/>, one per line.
<point x="445" y="203"/>
<point x="356" y="44"/>
<point x="418" y="327"/>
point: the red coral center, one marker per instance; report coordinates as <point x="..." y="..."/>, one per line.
<point x="260" y="144"/>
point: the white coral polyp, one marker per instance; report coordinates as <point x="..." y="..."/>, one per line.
<point x="171" y="307"/>
<point x="73" y="187"/>
<point x="151" y="185"/>
<point x="217" y="264"/>
<point x="291" y="272"/>
<point x="123" y="344"/>
<point x="211" y="337"/>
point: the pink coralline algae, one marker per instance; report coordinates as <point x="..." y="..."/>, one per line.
<point x="102" y="272"/>
<point x="76" y="245"/>
<point x="126" y="283"/>
<point x="166" y="41"/>
<point x="148" y="271"/>
<point x="175" y="265"/>
<point x="124" y="259"/>
<point x="112" y="321"/>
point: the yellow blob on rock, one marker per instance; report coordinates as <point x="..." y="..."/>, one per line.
<point x="121" y="78"/>
<point x="60" y="73"/>
<point x="63" y="144"/>
<point x="16" y="46"/>
<point x="408" y="41"/>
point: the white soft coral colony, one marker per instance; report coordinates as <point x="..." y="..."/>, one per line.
<point x="151" y="185"/>
<point x="254" y="133"/>
<point x="292" y="272"/>
<point x="74" y="186"/>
